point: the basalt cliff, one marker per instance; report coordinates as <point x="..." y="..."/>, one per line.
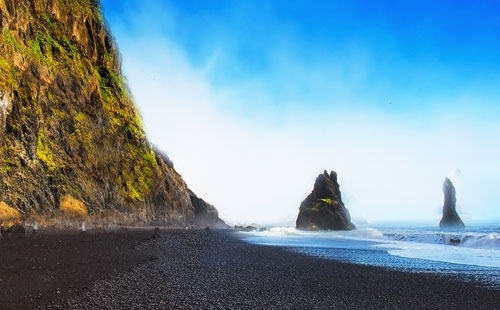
<point x="323" y="209"/>
<point x="71" y="137"/>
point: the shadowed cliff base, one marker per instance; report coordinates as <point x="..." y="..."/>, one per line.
<point x="198" y="269"/>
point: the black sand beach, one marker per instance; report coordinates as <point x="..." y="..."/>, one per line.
<point x="198" y="269"/>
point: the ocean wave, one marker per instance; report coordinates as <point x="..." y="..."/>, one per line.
<point x="486" y="241"/>
<point x="476" y="240"/>
<point x="478" y="246"/>
<point x="489" y="241"/>
<point x="283" y="230"/>
<point x="361" y="234"/>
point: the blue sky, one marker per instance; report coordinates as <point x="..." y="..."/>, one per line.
<point x="401" y="51"/>
<point x="394" y="87"/>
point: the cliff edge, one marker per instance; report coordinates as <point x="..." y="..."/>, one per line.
<point x="71" y="137"/>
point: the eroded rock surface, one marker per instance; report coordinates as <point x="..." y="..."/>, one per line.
<point x="205" y="214"/>
<point x="323" y="209"/>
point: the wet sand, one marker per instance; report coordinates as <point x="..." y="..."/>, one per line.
<point x="198" y="269"/>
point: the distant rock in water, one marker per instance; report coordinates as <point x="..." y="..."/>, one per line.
<point x="245" y="228"/>
<point x="323" y="209"/>
<point x="450" y="215"/>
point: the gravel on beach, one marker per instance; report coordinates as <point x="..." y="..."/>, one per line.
<point x="198" y="269"/>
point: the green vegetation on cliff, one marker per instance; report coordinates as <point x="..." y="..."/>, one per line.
<point x="68" y="124"/>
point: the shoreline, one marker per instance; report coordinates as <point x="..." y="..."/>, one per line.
<point x="416" y="251"/>
<point x="200" y="269"/>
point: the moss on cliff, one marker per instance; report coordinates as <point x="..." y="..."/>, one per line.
<point x="44" y="153"/>
<point x="72" y="128"/>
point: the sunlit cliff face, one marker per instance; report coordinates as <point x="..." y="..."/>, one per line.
<point x="251" y="115"/>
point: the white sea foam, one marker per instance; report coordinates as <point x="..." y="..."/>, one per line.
<point x="352" y="234"/>
<point x="485" y="241"/>
<point x="480" y="248"/>
<point x="475" y="240"/>
<point x="283" y="230"/>
<point x="443" y="253"/>
<point x="489" y="241"/>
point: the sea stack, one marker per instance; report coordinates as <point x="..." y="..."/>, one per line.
<point x="450" y="216"/>
<point x="323" y="209"/>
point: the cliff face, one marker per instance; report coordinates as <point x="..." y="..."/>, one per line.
<point x="450" y="216"/>
<point x="70" y="133"/>
<point x="323" y="209"/>
<point x="205" y="213"/>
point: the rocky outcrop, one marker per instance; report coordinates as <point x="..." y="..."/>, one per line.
<point x="68" y="124"/>
<point x="205" y="214"/>
<point x="323" y="209"/>
<point x="450" y="216"/>
<point x="245" y="228"/>
<point x="16" y="229"/>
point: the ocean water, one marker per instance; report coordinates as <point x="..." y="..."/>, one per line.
<point x="472" y="254"/>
